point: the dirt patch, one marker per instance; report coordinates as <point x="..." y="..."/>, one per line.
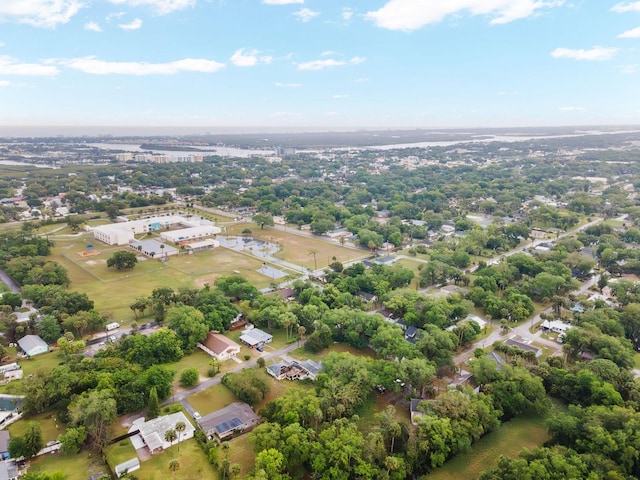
<point x="210" y="279"/>
<point x="88" y="253"/>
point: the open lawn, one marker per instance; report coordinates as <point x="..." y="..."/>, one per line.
<point x="375" y="404"/>
<point x="302" y="354"/>
<point x="51" y="427"/>
<point x="509" y="439"/>
<point x="39" y="363"/>
<point x="413" y="266"/>
<point x="193" y="464"/>
<point x="241" y="452"/>
<point x="113" y="291"/>
<point x="212" y="399"/>
<point x="298" y="249"/>
<point x="75" y="467"/>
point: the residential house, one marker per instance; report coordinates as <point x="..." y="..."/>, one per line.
<point x="367" y="297"/>
<point x="514" y="342"/>
<point x="8" y="470"/>
<point x="555" y="326"/>
<point x="255" y="338"/>
<point x="127" y="467"/>
<point x="150" y="434"/>
<point x="33" y="345"/>
<point x="233" y="419"/>
<point x="219" y="346"/>
<point x="5" y="438"/>
<point x="294" y="370"/>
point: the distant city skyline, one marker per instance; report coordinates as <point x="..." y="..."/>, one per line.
<point x="300" y="65"/>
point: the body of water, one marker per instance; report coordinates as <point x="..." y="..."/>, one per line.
<point x="221" y="151"/>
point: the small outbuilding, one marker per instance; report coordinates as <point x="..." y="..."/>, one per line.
<point x="33" y="345"/>
<point x="127" y="467"/>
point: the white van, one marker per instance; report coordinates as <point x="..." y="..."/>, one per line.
<point x="112" y="326"/>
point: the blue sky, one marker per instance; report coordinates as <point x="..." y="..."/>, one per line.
<point x="319" y="63"/>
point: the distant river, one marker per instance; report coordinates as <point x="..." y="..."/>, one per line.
<point x="221" y="151"/>
<point x="497" y="138"/>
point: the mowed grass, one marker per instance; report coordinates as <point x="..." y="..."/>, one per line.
<point x="509" y="439"/>
<point x="212" y="399"/>
<point x="193" y="464"/>
<point x="298" y="249"/>
<point x="50" y="425"/>
<point x="415" y="268"/>
<point x="113" y="291"/>
<point x="75" y="467"/>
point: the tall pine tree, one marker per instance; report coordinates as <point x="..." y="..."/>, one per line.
<point x="153" y="408"/>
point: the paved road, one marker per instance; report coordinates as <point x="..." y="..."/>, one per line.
<point x="9" y="282"/>
<point x="184" y="394"/>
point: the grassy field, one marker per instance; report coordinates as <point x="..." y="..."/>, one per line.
<point x="193" y="463"/>
<point x="75" y="467"/>
<point x="298" y="249"/>
<point x="51" y="427"/>
<point x="413" y="266"/>
<point x="212" y="399"/>
<point x="509" y="439"/>
<point x="113" y="291"/>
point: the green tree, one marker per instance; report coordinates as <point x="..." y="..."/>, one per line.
<point x="180" y="428"/>
<point x="174" y="466"/>
<point x="189" y="324"/>
<point x="49" y="329"/>
<point x="73" y="439"/>
<point x="33" y="441"/>
<point x="95" y="410"/>
<point x="122" y="260"/>
<point x="170" y="436"/>
<point x="189" y="377"/>
<point x="153" y="406"/>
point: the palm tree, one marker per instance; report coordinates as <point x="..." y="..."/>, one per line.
<point x="313" y="252"/>
<point x="174" y="466"/>
<point x="170" y="436"/>
<point x="180" y="427"/>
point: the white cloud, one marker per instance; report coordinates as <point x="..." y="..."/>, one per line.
<point x="288" y="85"/>
<point x="133" y="25"/>
<point x="572" y="109"/>
<point x="329" y="62"/>
<point x="113" y="15"/>
<point x="5" y="83"/>
<point x="626" y="7"/>
<point x="10" y="66"/>
<point x="249" y="59"/>
<point x="1" y="44"/>
<point x="412" y="14"/>
<point x="305" y="14"/>
<point x="347" y="13"/>
<point x="161" y="7"/>
<point x="39" y="13"/>
<point x="281" y="2"/>
<point x="629" y="69"/>
<point x="96" y="66"/>
<point x="320" y="64"/>
<point x="633" y="33"/>
<point x="93" y="26"/>
<point x="327" y="53"/>
<point x="340" y="95"/>
<point x="595" y="54"/>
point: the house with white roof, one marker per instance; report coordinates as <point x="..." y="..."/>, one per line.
<point x="150" y="434"/>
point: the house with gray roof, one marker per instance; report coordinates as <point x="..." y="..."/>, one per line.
<point x="294" y="370"/>
<point x="151" y="433"/>
<point x="33" y="345"/>
<point x="8" y="470"/>
<point x="233" y="419"/>
<point x="255" y="338"/>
